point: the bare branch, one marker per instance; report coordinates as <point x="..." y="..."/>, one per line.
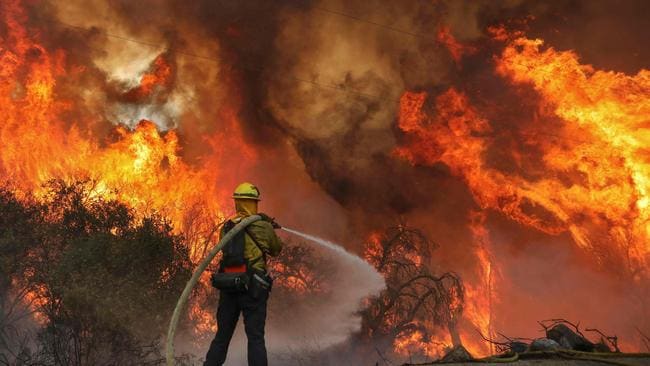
<point x="644" y="338"/>
<point x="613" y="340"/>
<point x="555" y="322"/>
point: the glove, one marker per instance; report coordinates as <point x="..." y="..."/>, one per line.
<point x="270" y="220"/>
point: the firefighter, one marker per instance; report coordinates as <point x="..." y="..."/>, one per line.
<point x="243" y="281"/>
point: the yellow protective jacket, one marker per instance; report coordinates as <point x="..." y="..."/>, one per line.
<point x="266" y="238"/>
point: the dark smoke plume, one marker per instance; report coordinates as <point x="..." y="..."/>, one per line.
<point x="315" y="89"/>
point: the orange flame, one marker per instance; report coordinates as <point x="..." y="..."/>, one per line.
<point x="604" y="140"/>
<point x="159" y="76"/>
<point x="606" y="116"/>
<point x="455" y="48"/>
<point x="596" y="179"/>
<point x="480" y="297"/>
<point x="142" y="167"/>
<point x="414" y="343"/>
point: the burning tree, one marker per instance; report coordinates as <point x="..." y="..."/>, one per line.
<point x="533" y="133"/>
<point x="15" y="233"/>
<point x="416" y="303"/>
<point x="94" y="282"/>
<point x="298" y="270"/>
<point x="100" y="280"/>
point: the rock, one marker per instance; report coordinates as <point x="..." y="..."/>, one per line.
<point x="544" y="344"/>
<point x="518" y="347"/>
<point x="569" y="339"/>
<point x="457" y="354"/>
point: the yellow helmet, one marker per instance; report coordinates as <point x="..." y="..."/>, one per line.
<point x="246" y="191"/>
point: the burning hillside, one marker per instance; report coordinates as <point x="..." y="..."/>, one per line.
<point x="490" y="160"/>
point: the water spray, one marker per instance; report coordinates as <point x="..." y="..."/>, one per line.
<point x="336" y="248"/>
<point x="370" y="271"/>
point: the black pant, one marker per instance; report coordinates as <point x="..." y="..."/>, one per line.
<point x="230" y="306"/>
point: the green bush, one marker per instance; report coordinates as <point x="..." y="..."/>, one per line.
<point x="107" y="280"/>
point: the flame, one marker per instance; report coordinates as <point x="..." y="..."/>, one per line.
<point x="298" y="280"/>
<point x="141" y="166"/>
<point x="595" y="167"/>
<point x="606" y="116"/>
<point x="453" y="137"/>
<point x="373" y="249"/>
<point x="604" y="140"/>
<point x="159" y="76"/>
<point x="34" y="299"/>
<point x="480" y="297"/>
<point x="411" y="336"/>
<point x="593" y="181"/>
<point x="456" y="49"/>
<point x="415" y="343"/>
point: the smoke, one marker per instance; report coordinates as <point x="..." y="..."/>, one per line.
<point x="301" y="72"/>
<point x="333" y="318"/>
<point x="325" y="317"/>
<point x="313" y="89"/>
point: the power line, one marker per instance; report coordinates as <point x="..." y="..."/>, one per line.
<point x="244" y="66"/>
<point x="385" y="26"/>
<point x="259" y="69"/>
<point x="295" y="78"/>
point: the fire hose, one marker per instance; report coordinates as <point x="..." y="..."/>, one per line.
<point x="596" y="357"/>
<point x="195" y="278"/>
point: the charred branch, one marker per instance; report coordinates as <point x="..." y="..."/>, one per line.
<point x="550" y="323"/>
<point x="612" y="340"/>
<point x="414" y="295"/>
<point x="644" y="338"/>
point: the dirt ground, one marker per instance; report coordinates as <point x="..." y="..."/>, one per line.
<point x="625" y="360"/>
